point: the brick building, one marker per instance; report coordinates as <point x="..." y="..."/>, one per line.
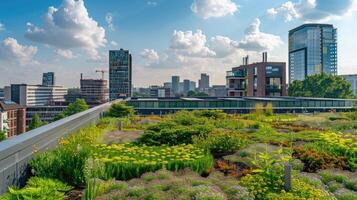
<point x="12" y="118"/>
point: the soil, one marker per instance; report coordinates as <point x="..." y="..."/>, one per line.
<point x="75" y="194"/>
<point x="117" y="137"/>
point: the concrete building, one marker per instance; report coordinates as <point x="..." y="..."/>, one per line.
<point x="352" y="78"/>
<point x="312" y="50"/>
<point x="175" y="81"/>
<point x="257" y="79"/>
<point x="186" y="86"/>
<point x="192" y="86"/>
<point x="46" y="113"/>
<point x="94" y="91"/>
<point x="2" y="94"/>
<point x="48" y="79"/>
<point x="217" y="91"/>
<point x="203" y="83"/>
<point x="72" y="95"/>
<point x="12" y="118"/>
<point x="35" y="95"/>
<point x="120" y="74"/>
<point x="161" y="92"/>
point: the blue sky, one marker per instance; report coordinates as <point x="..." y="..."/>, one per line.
<point x="165" y="37"/>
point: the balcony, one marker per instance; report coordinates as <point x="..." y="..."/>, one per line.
<point x="236" y="74"/>
<point x="273" y="88"/>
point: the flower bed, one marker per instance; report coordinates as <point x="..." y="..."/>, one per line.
<point x="126" y="161"/>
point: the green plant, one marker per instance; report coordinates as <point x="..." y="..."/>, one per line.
<point x="269" y="109"/>
<point x="36" y="122"/>
<point x="38" y="188"/>
<point x="3" y="135"/>
<point x="126" y="161"/>
<point x="120" y="109"/>
<point x="78" y="106"/>
<point x="258" y="109"/>
<point x="221" y="142"/>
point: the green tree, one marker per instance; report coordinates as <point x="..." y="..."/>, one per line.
<point x="2" y="135"/>
<point x="120" y="109"/>
<point x="196" y="94"/>
<point x="322" y="85"/>
<point x="79" y="105"/>
<point x="36" y="122"/>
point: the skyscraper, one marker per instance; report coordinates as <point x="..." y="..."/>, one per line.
<point x="186" y="86"/>
<point x="120" y="74"/>
<point x="312" y="50"/>
<point x="48" y="79"/>
<point x="203" y="83"/>
<point x="175" y="80"/>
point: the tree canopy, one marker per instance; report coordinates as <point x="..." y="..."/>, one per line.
<point x="120" y="109"/>
<point x="192" y="93"/>
<point x="79" y="105"/>
<point x="322" y="85"/>
<point x="36" y="122"/>
<point x="2" y="135"/>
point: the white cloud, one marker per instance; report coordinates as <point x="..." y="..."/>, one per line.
<point x="113" y="43"/>
<point x="190" y="44"/>
<point x="152" y="3"/>
<point x="222" y="46"/>
<point x="151" y="55"/>
<point x="213" y="8"/>
<point x="313" y="10"/>
<point x="255" y="40"/>
<point x="2" y="27"/>
<point x="69" y="26"/>
<point x="109" y="20"/>
<point x="65" y="53"/>
<point x="13" y="52"/>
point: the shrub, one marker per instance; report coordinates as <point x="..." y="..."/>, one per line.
<point x="38" y="188"/>
<point x="211" y="114"/>
<point x="258" y="109"/>
<point x="120" y="109"/>
<point x="126" y="161"/>
<point x="316" y="160"/>
<point x="222" y="142"/>
<point x="269" y="109"/>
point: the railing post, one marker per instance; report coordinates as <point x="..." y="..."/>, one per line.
<point x="287" y="177"/>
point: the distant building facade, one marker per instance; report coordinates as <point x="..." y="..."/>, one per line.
<point x="257" y="79"/>
<point x="94" y="91"/>
<point x="186" y="86"/>
<point x="12" y="118"/>
<point x="120" y="74"/>
<point x="203" y="83"/>
<point x="48" y="79"/>
<point x="312" y="50"/>
<point x="175" y="82"/>
<point x="2" y="94"/>
<point x="192" y="86"/>
<point x="217" y="91"/>
<point x="161" y="92"/>
<point x="352" y="78"/>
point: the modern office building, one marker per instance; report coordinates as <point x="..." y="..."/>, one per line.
<point x="175" y="81"/>
<point x="94" y="91"/>
<point x="160" y="92"/>
<point x="46" y="113"/>
<point x="352" y="78"/>
<point x="120" y="74"/>
<point x="203" y="83"/>
<point x="186" y="86"/>
<point x="48" y="79"/>
<point x="192" y="86"/>
<point x="217" y="91"/>
<point x="2" y="94"/>
<point x="72" y="95"/>
<point x="257" y="79"/>
<point x="12" y="118"/>
<point x="312" y="50"/>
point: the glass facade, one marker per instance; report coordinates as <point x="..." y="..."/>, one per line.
<point x="120" y="74"/>
<point x="312" y="50"/>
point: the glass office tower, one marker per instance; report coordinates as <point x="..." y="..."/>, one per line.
<point x="175" y="80"/>
<point x="312" y="50"/>
<point x="120" y="74"/>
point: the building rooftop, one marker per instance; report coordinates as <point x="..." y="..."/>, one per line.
<point x="308" y="25"/>
<point x="9" y="105"/>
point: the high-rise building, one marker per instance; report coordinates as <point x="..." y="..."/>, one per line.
<point x="48" y="79"/>
<point x="161" y="92"/>
<point x="94" y="91"/>
<point x="12" y="118"/>
<point x="312" y="50"/>
<point x="192" y="86"/>
<point x="257" y="79"/>
<point x="120" y="74"/>
<point x="352" y="78"/>
<point x="186" y="86"/>
<point x="2" y="94"/>
<point x="203" y="83"/>
<point x="175" y="81"/>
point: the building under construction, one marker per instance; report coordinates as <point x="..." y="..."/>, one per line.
<point x="94" y="91"/>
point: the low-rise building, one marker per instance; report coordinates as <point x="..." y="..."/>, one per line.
<point x="94" y="91"/>
<point x="352" y="78"/>
<point x="218" y="91"/>
<point x="261" y="79"/>
<point x="12" y="118"/>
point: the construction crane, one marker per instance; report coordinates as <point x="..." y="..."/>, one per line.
<point x="101" y="71"/>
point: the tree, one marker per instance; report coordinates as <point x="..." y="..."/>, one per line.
<point x="36" y="122"/>
<point x="79" y="105"/>
<point x="120" y="109"/>
<point x="321" y="85"/>
<point x="2" y="135"/>
<point x="196" y="94"/>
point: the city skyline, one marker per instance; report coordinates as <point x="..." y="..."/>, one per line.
<point x="191" y="39"/>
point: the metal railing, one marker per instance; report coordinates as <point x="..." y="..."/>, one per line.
<point x="15" y="152"/>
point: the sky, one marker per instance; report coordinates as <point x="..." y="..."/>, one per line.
<point x="165" y="37"/>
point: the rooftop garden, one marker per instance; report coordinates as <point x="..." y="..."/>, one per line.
<point x="200" y="155"/>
